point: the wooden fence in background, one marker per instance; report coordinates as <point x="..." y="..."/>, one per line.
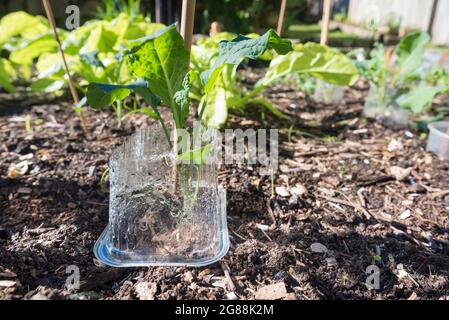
<point x="414" y="14"/>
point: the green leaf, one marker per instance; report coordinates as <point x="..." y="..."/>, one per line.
<point x="91" y="58"/>
<point x="21" y="24"/>
<point x="182" y="98"/>
<point x="100" y="39"/>
<point x="103" y="95"/>
<point x="162" y="59"/>
<point x="6" y="73"/>
<point x="148" y="96"/>
<point x="76" y="39"/>
<point x="419" y="98"/>
<point x="410" y="50"/>
<point x="32" y="49"/>
<point x="215" y="113"/>
<point x="150" y="113"/>
<point x="197" y="156"/>
<point x="48" y="85"/>
<point x="319" y="61"/>
<point x="234" y="51"/>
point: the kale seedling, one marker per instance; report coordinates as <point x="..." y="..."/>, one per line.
<point x="162" y="63"/>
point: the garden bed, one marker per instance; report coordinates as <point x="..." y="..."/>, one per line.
<point x="338" y="185"/>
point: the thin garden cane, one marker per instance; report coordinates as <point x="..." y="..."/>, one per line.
<point x="325" y="22"/>
<point x="281" y="17"/>
<point x="187" y="22"/>
<point x="74" y="93"/>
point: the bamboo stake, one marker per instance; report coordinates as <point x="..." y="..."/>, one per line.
<point x="281" y="17"/>
<point x="74" y="93"/>
<point x="187" y="21"/>
<point x="325" y="22"/>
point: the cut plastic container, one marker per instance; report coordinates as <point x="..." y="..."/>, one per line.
<point x="438" y="141"/>
<point x="380" y="105"/>
<point x="328" y="93"/>
<point x="150" y="224"/>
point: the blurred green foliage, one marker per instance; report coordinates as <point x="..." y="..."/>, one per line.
<point x="244" y="16"/>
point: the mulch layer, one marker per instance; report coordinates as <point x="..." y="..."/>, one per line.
<point x="349" y="194"/>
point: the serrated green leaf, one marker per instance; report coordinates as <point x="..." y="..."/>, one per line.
<point x="234" y="51"/>
<point x="182" y="98"/>
<point x="162" y="59"/>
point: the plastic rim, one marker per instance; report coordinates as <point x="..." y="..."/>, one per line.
<point x="102" y="252"/>
<point x="436" y="127"/>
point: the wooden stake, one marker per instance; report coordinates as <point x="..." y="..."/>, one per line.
<point x="76" y="100"/>
<point x="281" y="17"/>
<point x="187" y="21"/>
<point x="325" y="21"/>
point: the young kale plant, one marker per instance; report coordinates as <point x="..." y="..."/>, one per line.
<point x="400" y="71"/>
<point x="162" y="63"/>
<point x="309" y="61"/>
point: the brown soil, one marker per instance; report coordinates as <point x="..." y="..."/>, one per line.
<point x="347" y="198"/>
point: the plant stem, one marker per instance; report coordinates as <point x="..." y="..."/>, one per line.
<point x="118" y="112"/>
<point x="175" y="152"/>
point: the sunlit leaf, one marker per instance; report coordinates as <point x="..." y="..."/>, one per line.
<point x="419" y="98"/>
<point x="319" y="61"/>
<point x="234" y="51"/>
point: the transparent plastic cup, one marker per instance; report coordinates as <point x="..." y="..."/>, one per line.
<point x="328" y="93"/>
<point x="438" y="140"/>
<point x="151" y="223"/>
<point x="381" y="105"/>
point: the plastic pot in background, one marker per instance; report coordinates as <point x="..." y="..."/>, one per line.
<point x="380" y="104"/>
<point x="328" y="93"/>
<point x="438" y="140"/>
<point x="150" y="224"/>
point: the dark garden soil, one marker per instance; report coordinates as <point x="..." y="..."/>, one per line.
<point x="345" y="186"/>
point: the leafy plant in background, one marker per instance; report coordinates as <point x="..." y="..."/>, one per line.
<point x="93" y="51"/>
<point x="395" y="74"/>
<point x="112" y="8"/>
<point x="19" y="30"/>
<point x="7" y="72"/>
<point x="162" y="63"/>
<point x="309" y="61"/>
